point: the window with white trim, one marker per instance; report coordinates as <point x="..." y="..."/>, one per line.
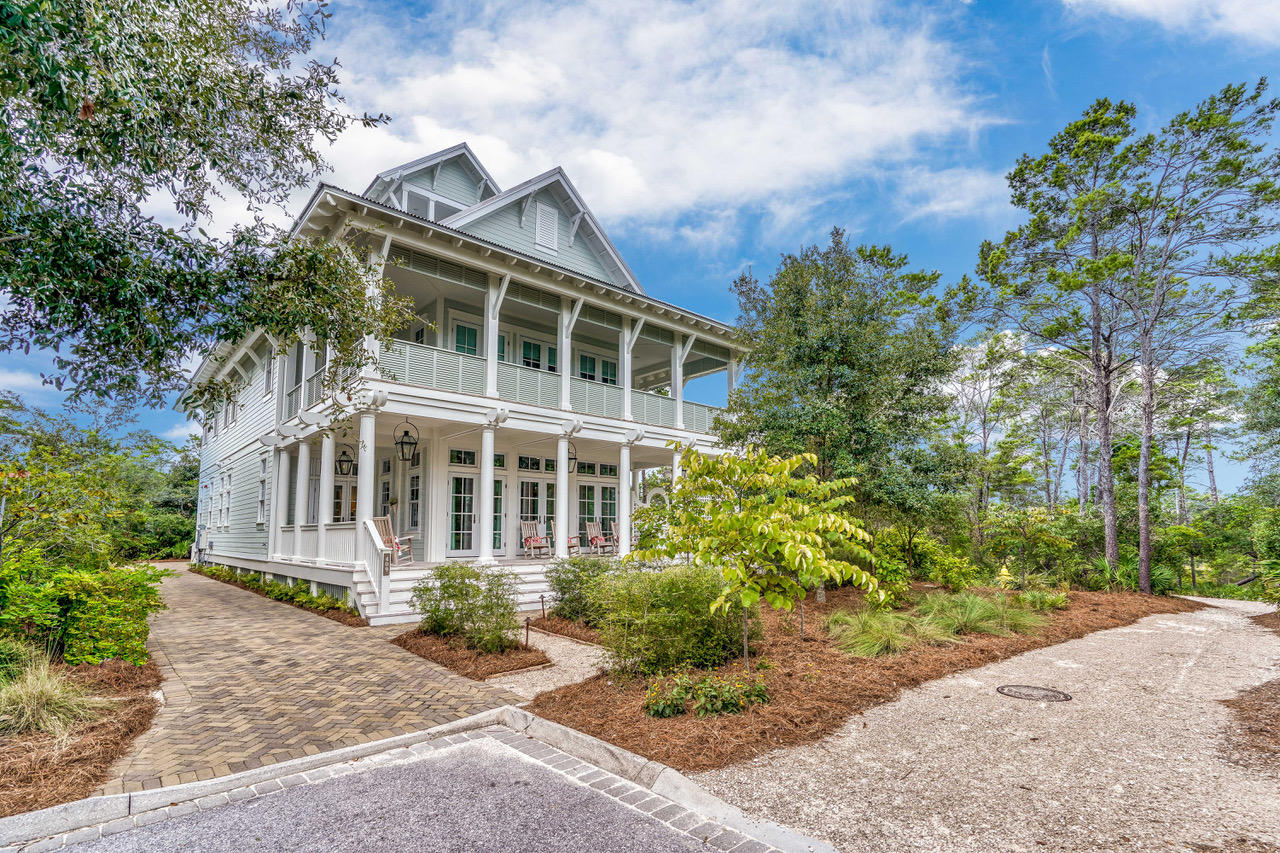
<point x="546" y="226"/>
<point x="415" y="493"/>
<point x="268" y="373"/>
<point x="262" y="490"/>
<point x="225" y="513"/>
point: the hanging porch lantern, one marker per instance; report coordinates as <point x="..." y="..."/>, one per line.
<point x="573" y="459"/>
<point x="407" y="443"/>
<point x="345" y="462"/>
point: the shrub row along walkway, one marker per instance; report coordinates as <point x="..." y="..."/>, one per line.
<point x="250" y="681"/>
<point x="1139" y="759"/>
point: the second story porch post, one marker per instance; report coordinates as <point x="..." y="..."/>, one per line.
<point x="569" y="310"/>
<point x="679" y="353"/>
<point x="492" y="308"/>
<point x="627" y="343"/>
<point x="281" y="496"/>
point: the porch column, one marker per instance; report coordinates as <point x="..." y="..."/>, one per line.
<point x="731" y="375"/>
<point x="562" y="496"/>
<point x="630" y="333"/>
<point x="492" y="308"/>
<point x="324" y="516"/>
<point x="622" y="531"/>
<point x="281" y="496"/>
<point x="377" y="271"/>
<point x="367" y="460"/>
<point x="569" y="309"/>
<point x="438" y="520"/>
<point x="679" y="352"/>
<point x="486" y="494"/>
<point x="675" y="466"/>
<point x="301" y="483"/>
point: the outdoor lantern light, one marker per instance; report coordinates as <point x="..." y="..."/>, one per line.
<point x="345" y="461"/>
<point x="406" y="444"/>
<point x="573" y="459"/>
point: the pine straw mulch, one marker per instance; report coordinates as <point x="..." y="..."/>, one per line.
<point x="567" y="628"/>
<point x="454" y="655"/>
<point x="346" y="617"/>
<point x="1254" y="734"/>
<point x="813" y="687"/>
<point x="36" y="772"/>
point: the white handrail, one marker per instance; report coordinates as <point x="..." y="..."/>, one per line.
<point x="373" y="573"/>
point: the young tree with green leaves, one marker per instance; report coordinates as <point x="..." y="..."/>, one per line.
<point x="112" y="109"/>
<point x="768" y="527"/>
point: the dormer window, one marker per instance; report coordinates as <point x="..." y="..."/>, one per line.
<point x="546" y="226"/>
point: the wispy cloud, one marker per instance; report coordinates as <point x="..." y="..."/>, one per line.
<point x="1255" y="21"/>
<point x="180" y="432"/>
<point x="951" y="193"/>
<point x="23" y="381"/>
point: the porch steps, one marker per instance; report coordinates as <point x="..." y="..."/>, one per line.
<point x="531" y="583"/>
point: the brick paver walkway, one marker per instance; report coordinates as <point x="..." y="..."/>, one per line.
<point x="250" y="681"/>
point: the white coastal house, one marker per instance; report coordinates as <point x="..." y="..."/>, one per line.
<point x="538" y="378"/>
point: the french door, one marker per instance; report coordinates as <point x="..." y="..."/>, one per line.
<point x="596" y="502"/>
<point x="538" y="504"/>
<point x="464" y="516"/>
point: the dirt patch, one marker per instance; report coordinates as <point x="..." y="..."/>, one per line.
<point x="813" y="687"/>
<point x="452" y="654"/>
<point x="35" y="773"/>
<point x="346" y="617"/>
<point x="1253" y="738"/>
<point x="567" y="628"/>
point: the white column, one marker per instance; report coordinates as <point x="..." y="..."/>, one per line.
<point x="492" y="308"/>
<point x="486" y="494"/>
<point x="325" y="509"/>
<point x="281" y="496"/>
<point x="623" y="528"/>
<point x="675" y="466"/>
<point x="562" y="497"/>
<point x="731" y="376"/>
<point x="624" y="366"/>
<point x="437" y="520"/>
<point x="300" y="495"/>
<point x="564" y="347"/>
<point x="365" y="477"/>
<point x="442" y="334"/>
<point x="677" y="378"/>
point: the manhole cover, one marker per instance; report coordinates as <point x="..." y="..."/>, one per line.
<point x="1035" y="694"/>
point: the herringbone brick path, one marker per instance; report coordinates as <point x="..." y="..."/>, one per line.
<point x="250" y="681"/>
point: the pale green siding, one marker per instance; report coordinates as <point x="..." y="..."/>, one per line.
<point x="453" y="182"/>
<point x="503" y="227"/>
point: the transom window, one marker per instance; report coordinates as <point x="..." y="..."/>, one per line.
<point x="462" y="457"/>
<point x="607" y="470"/>
<point x="530" y="463"/>
<point x="588" y="468"/>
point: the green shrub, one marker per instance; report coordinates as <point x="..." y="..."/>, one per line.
<point x="14" y="658"/>
<point x="952" y="571"/>
<point x="893" y="578"/>
<point x="1043" y="599"/>
<point x="42" y="700"/>
<point x="1125" y="575"/>
<point x="970" y="613"/>
<point x="711" y="695"/>
<point x="569" y="580"/>
<point x="654" y="621"/>
<point x="85" y="614"/>
<point x="478" y="606"/>
<point x="297" y="593"/>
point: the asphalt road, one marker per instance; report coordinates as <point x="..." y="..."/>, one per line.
<point x="478" y="796"/>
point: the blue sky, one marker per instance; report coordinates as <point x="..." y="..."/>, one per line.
<point x="712" y="137"/>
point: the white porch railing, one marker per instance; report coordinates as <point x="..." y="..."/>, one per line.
<point x="655" y="409"/>
<point x="433" y="367"/>
<point x="293" y="400"/>
<point x="315" y="384"/>
<point x="340" y="542"/>
<point x="522" y="384"/>
<point x="699" y="417"/>
<point x="308" y="549"/>
<point x="595" y="398"/>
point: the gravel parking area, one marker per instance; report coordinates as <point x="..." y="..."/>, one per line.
<point x="1134" y="762"/>
<point x="573" y="662"/>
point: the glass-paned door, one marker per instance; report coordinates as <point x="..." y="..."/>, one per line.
<point x="499" y="537"/>
<point x="538" y="504"/>
<point x="462" y="515"/>
<point x="597" y="502"/>
<point x="586" y="509"/>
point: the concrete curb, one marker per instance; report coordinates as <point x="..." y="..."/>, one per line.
<point x="91" y="811"/>
<point x="656" y="777"/>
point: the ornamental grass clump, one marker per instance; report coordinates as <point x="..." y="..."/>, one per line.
<point x="871" y="633"/>
<point x="40" y="699"/>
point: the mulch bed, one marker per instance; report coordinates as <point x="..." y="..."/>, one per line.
<point x="454" y="655"/>
<point x="567" y="628"/>
<point x="813" y="687"/>
<point x="1254" y="735"/>
<point x="346" y="617"/>
<point x="35" y="773"/>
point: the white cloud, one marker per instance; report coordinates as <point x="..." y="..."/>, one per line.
<point x="181" y="432"/>
<point x="22" y="380"/>
<point x="956" y="192"/>
<point x="658" y="110"/>
<point x="1249" y="20"/>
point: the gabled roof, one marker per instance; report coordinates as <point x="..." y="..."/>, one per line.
<point x="462" y="150"/>
<point x="589" y="227"/>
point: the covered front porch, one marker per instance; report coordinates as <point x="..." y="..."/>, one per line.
<point x="454" y="491"/>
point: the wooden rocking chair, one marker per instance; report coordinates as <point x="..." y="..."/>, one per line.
<point x="397" y="544"/>
<point x="599" y="543"/>
<point x="535" y="541"/>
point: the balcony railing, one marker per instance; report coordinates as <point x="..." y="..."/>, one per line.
<point x="315" y="385"/>
<point x="419" y="364"/>
<point x="525" y="385"/>
<point x="292" y="400"/>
